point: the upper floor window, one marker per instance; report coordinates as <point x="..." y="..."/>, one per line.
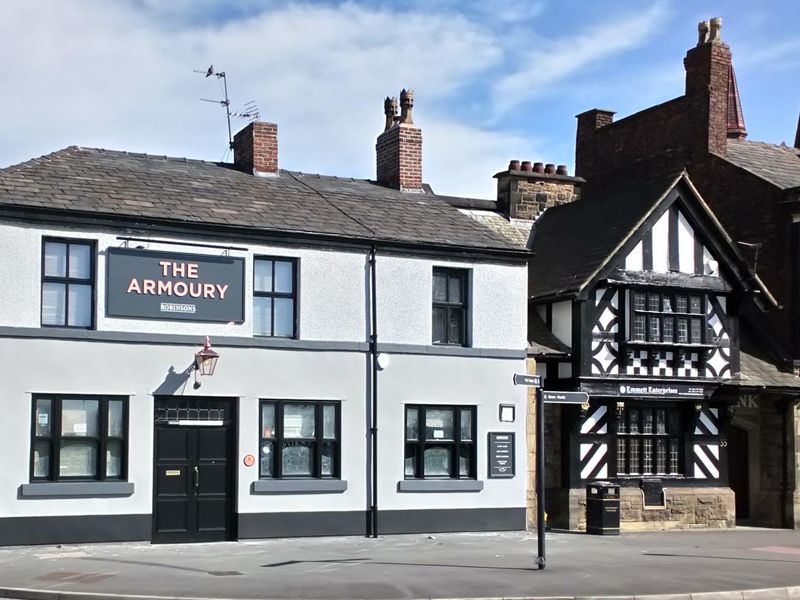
<point x="673" y="318"/>
<point x="300" y="439"/>
<point x="449" y="306"/>
<point x="78" y="438"/>
<point x="440" y="442"/>
<point x="275" y="297"/>
<point x="68" y="283"/>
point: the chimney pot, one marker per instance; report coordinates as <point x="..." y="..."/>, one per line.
<point x="513" y="165"/>
<point x="538" y="167"/>
<point x="549" y="168"/>
<point x="561" y="170"/>
<point x="526" y="166"/>
<point x="399" y="147"/>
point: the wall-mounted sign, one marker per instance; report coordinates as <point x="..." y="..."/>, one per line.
<point x="676" y="390"/>
<point x="501" y="454"/>
<point x="173" y="286"/>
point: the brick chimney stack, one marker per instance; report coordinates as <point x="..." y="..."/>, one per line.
<point x="526" y="190"/>
<point x="255" y="149"/>
<point x="399" y="147"/>
<point x="588" y="124"/>
<point x="708" y="70"/>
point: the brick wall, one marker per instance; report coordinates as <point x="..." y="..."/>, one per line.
<point x="750" y="211"/>
<point x="657" y="137"/>
<point x="399" y="157"/>
<point x="255" y="148"/>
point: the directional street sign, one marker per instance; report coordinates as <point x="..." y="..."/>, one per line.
<point x="534" y="380"/>
<point x="564" y="397"/>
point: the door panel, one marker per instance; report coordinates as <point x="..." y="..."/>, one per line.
<point x="194" y="491"/>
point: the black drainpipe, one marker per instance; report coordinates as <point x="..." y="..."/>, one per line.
<point x="372" y="515"/>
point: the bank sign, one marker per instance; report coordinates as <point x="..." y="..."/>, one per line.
<point x="173" y="286"/>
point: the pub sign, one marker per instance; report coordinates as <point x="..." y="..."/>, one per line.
<point x="174" y="286"/>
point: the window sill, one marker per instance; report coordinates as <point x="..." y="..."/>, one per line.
<point x="298" y="486"/>
<point x="76" y="489"/>
<point x="439" y="485"/>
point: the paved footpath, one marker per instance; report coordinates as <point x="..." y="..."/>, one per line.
<point x="491" y="565"/>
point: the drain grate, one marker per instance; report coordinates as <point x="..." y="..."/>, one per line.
<point x="223" y="573"/>
<point x="71" y="577"/>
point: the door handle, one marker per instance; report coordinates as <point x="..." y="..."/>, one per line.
<point x="196" y="480"/>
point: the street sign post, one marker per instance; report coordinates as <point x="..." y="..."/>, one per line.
<point x="546" y="397"/>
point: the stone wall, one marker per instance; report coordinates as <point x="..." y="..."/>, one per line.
<point x="685" y="508"/>
<point x="530" y="434"/>
<point x="526" y="194"/>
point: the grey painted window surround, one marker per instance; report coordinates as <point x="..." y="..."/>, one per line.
<point x="76" y="489"/>
<point x="298" y="486"/>
<point x="443" y="485"/>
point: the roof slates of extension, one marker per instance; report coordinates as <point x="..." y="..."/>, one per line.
<point x="124" y="185"/>
<point x="779" y="165"/>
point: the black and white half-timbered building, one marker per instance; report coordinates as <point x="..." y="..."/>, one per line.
<point x="636" y="296"/>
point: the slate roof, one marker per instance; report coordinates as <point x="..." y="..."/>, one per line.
<point x="758" y="371"/>
<point x="780" y="165"/>
<point x="541" y="341"/>
<point x="140" y="186"/>
<point x="571" y="242"/>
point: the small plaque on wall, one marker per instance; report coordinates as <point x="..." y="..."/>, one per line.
<point x="501" y="454"/>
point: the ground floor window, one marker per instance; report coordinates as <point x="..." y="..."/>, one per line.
<point x="79" y="438"/>
<point x="649" y="440"/>
<point x="440" y="442"/>
<point x="300" y="439"/>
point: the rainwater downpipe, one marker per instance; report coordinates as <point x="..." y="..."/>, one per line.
<point x="372" y="517"/>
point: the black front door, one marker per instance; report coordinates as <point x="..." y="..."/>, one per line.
<point x="193" y="487"/>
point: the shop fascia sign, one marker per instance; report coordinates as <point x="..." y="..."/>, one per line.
<point x="665" y="390"/>
<point x="174" y="286"/>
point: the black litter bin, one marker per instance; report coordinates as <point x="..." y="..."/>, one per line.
<point x="602" y="508"/>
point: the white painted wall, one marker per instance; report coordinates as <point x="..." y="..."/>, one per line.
<point x="414" y="379"/>
<point x="332" y="303"/>
<point x="562" y="321"/>
<point x="634" y="261"/>
<point x="332" y="307"/>
<point x="661" y="244"/>
<point x="137" y="370"/>
<point x="497" y="303"/>
<point x="685" y="245"/>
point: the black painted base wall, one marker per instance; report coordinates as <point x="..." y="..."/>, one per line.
<point x="19" y="531"/>
<point x="22" y="531"/>
<point x="268" y="525"/>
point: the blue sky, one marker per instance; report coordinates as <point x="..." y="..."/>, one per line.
<point x="493" y="80"/>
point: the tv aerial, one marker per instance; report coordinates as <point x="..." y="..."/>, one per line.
<point x="249" y="111"/>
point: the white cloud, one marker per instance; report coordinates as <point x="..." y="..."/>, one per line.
<point x="119" y="75"/>
<point x="556" y="60"/>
